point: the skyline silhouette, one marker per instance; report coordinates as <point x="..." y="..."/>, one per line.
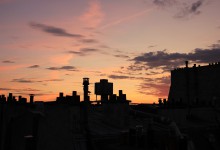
<point x="113" y="122"/>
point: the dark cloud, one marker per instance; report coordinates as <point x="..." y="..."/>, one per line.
<point x="34" y="66"/>
<point x="89" y="50"/>
<point x="5" y="89"/>
<point x="134" y="67"/>
<point x="195" y="6"/>
<point x="121" y="56"/>
<point x="52" y="80"/>
<point x="190" y="9"/>
<point x="205" y="55"/>
<point x="185" y="8"/>
<point x="95" y="72"/>
<point x="31" y="90"/>
<point x="129" y="76"/>
<point x="67" y="68"/>
<point x="214" y="46"/>
<point x="132" y="74"/>
<point x="152" y="46"/>
<point x="27" y="80"/>
<point x="152" y="73"/>
<point x="84" y="51"/>
<point x="22" y="80"/>
<point x="104" y="46"/>
<point x="163" y="80"/>
<point x="167" y="61"/>
<point x="164" y="2"/>
<point x="20" y="90"/>
<point x="102" y="74"/>
<point x="89" y="41"/>
<point x="53" y="30"/>
<point x="8" y="61"/>
<point x="118" y="77"/>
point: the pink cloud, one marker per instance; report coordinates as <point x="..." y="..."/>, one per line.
<point x="94" y="15"/>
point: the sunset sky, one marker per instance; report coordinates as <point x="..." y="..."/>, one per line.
<point x="48" y="46"/>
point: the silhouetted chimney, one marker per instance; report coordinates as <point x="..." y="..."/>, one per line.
<point x="10" y="97"/>
<point x="14" y="99"/>
<point x="60" y="98"/>
<point x="3" y="98"/>
<point x="120" y="93"/>
<point x="31" y="98"/>
<point x="123" y="97"/>
<point x="160" y="101"/>
<point x="19" y="98"/>
<point x="164" y="101"/>
<point x="61" y="94"/>
<point x="74" y="93"/>
<point x="86" y="89"/>
<point x="186" y="62"/>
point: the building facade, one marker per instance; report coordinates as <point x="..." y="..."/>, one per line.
<point x="197" y="85"/>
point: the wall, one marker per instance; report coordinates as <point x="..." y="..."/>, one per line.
<point x="199" y="85"/>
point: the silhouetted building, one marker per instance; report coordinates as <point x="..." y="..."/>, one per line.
<point x="104" y="88"/>
<point x="73" y="100"/>
<point x="198" y="85"/>
<point x="111" y="123"/>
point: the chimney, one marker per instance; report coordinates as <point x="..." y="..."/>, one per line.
<point x="10" y="97"/>
<point x="86" y="89"/>
<point x="31" y="98"/>
<point x="19" y="98"/>
<point x="120" y="93"/>
<point x="186" y="62"/>
<point x="74" y="93"/>
<point x="61" y="94"/>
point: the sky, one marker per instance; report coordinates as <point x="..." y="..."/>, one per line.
<point x="48" y="46"/>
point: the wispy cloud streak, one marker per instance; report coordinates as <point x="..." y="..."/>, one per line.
<point x="164" y="2"/>
<point x="127" y="18"/>
<point x="54" y="30"/>
<point x="29" y="80"/>
<point x="84" y="51"/>
<point x="8" y="61"/>
<point x="67" y="68"/>
<point x="34" y="66"/>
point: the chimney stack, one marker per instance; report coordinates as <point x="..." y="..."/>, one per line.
<point x="31" y="98"/>
<point x="186" y="62"/>
<point x="86" y="89"/>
